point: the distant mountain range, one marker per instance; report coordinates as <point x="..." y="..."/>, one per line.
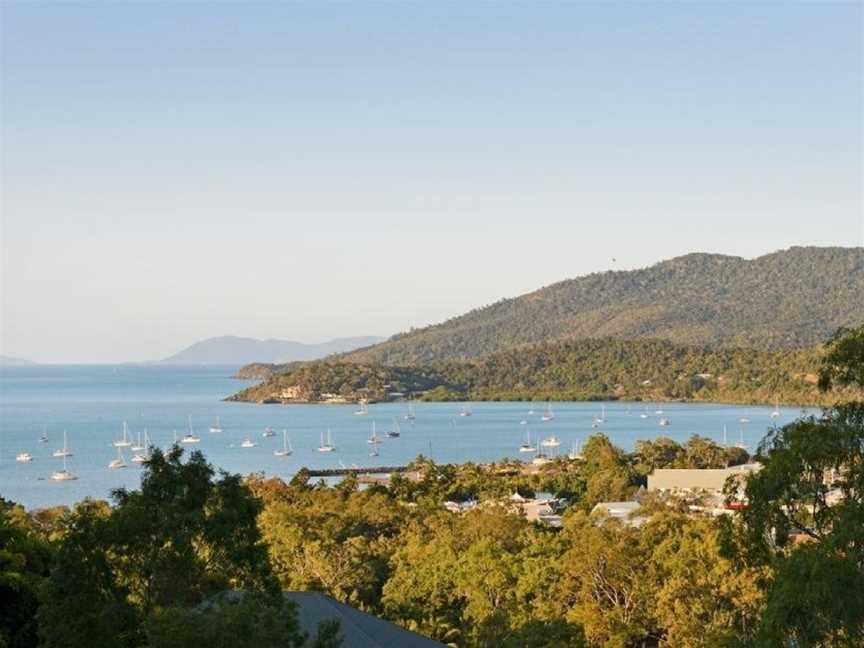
<point x="790" y="299"/>
<point x="231" y="350"/>
<point x="7" y="361"/>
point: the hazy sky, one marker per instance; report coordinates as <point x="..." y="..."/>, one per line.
<point x="176" y="171"/>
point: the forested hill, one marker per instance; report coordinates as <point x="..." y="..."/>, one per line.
<point x="569" y="370"/>
<point x="794" y="298"/>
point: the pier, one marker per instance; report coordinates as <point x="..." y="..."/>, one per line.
<point x="342" y="472"/>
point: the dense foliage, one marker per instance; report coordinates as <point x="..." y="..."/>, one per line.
<point x="488" y="577"/>
<point x="699" y="299"/>
<point x="149" y="570"/>
<point x="812" y="484"/>
<point x="570" y="370"/>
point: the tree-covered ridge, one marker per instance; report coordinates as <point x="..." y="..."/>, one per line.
<point x="698" y="299"/>
<point x="569" y="370"/>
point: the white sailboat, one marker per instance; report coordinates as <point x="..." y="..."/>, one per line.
<point x="539" y="457"/>
<point x="574" y="451"/>
<point x="248" y="443"/>
<point x="776" y="412"/>
<point x="373" y="437"/>
<point x="466" y="411"/>
<point x="394" y="432"/>
<point x="664" y="422"/>
<point x="644" y="413"/>
<point x="364" y="409"/>
<point x="119" y="462"/>
<point x="23" y="457"/>
<point x="328" y="445"/>
<point x="551" y="442"/>
<point x="124" y="442"/>
<point x="139" y="446"/>
<point x="144" y="454"/>
<point x="43" y="438"/>
<point x="286" y="450"/>
<point x="268" y="432"/>
<point x="64" y="451"/>
<point x="527" y="446"/>
<point x="741" y="443"/>
<point x="190" y="436"/>
<point x="63" y="475"/>
<point x="602" y="418"/>
<point x="548" y="416"/>
<point x="410" y="416"/>
<point x="216" y="427"/>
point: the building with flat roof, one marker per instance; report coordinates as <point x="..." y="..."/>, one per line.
<point x="696" y="479"/>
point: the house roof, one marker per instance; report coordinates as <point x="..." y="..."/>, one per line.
<point x="357" y="629"/>
<point x="694" y="478"/>
<point x="620" y="508"/>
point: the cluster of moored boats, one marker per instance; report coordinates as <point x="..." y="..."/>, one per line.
<point x="141" y="446"/>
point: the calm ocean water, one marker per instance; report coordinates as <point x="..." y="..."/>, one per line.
<point x="92" y="402"/>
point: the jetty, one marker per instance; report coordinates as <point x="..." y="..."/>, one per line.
<point x="342" y="472"/>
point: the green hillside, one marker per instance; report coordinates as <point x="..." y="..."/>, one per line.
<point x="794" y="298"/>
<point x="568" y="370"/>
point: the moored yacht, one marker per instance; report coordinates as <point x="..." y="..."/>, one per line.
<point x="373" y="437"/>
<point x="139" y="446"/>
<point x="548" y="415"/>
<point x="123" y="442"/>
<point x="23" y="457"/>
<point x="527" y="446"/>
<point x="394" y="431"/>
<point x="285" y="450"/>
<point x="216" y="427"/>
<point x="248" y="443"/>
<point x="119" y="462"/>
<point x="326" y="446"/>
<point x="144" y="453"/>
<point x="190" y="436"/>
<point x="64" y="451"/>
<point x="268" y="432"/>
<point x="63" y="475"/>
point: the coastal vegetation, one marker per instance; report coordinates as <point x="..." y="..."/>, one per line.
<point x="790" y="299"/>
<point x="590" y="369"/>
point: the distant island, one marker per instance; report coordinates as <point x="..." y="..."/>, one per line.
<point x="232" y="350"/>
<point x="8" y="361"/>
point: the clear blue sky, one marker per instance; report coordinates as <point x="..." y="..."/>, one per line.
<point x="178" y="171"/>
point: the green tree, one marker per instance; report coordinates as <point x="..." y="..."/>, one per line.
<point x="24" y="562"/>
<point x="183" y="537"/>
<point x="812" y="482"/>
<point x="227" y="622"/>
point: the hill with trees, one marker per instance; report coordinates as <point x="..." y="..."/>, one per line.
<point x="588" y="369"/>
<point x="790" y="299"/>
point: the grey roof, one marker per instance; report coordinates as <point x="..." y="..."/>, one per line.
<point x="357" y="629"/>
